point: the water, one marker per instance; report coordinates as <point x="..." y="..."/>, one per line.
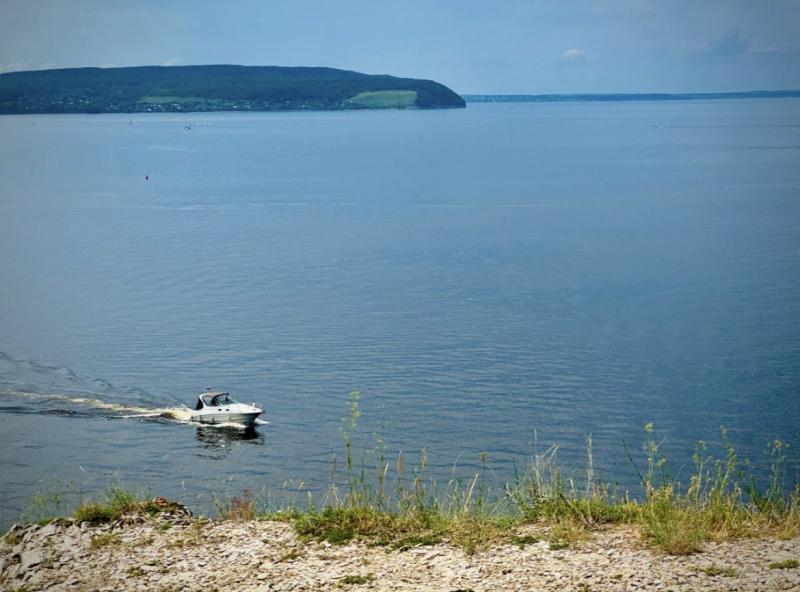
<point x="486" y="277"/>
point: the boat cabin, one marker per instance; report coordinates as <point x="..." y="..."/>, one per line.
<point x="213" y="400"/>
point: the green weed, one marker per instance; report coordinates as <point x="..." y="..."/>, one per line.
<point x="524" y="540"/>
<point x="714" y="570"/>
<point x="356" y="579"/>
<point x="116" y="502"/>
<point x="786" y="564"/>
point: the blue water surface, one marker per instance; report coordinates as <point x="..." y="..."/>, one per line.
<point x="490" y="279"/>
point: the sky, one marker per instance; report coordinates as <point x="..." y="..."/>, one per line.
<point x="473" y="46"/>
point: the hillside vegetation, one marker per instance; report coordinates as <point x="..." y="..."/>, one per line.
<point x="214" y="88"/>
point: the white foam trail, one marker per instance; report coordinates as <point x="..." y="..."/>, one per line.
<point x="182" y="414"/>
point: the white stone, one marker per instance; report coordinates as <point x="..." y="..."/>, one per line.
<point x="30" y="558"/>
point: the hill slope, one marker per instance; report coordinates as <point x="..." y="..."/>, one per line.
<point x="213" y="88"/>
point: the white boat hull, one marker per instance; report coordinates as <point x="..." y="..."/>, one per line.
<point x="247" y="419"/>
<point x="214" y="408"/>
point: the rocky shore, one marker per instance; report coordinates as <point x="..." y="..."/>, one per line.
<point x="173" y="552"/>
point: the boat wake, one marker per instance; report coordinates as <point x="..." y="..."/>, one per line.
<point x="118" y="410"/>
<point x="29" y="388"/>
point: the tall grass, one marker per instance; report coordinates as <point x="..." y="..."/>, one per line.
<point x="393" y="503"/>
<point x="116" y="502"/>
<point x="721" y="501"/>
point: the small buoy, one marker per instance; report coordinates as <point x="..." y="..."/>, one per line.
<point x="147" y="177"/>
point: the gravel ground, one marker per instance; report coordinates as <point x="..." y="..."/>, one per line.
<point x="171" y="554"/>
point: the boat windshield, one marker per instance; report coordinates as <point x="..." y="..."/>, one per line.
<point x="217" y="399"/>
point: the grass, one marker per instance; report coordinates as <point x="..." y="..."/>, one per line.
<point x="714" y="570"/>
<point x="416" y="540"/>
<point x="385" y="99"/>
<point x="417" y="512"/>
<point x="389" y="504"/>
<point x="356" y="580"/>
<point x="566" y="532"/>
<point x="722" y="501"/>
<point x="116" y="502"/>
<point x="524" y="540"/>
<point x="240" y="508"/>
<point x="393" y="503"/>
<point x="786" y="564"/>
<point x="190" y="537"/>
<point x="11" y="538"/>
<point x="47" y="505"/>
<point x="111" y="539"/>
<point x="289" y="556"/>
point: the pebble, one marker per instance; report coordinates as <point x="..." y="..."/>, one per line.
<point x="252" y="556"/>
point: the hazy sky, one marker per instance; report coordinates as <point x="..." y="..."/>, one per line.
<point x="473" y="46"/>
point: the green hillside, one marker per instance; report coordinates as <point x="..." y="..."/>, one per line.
<point x="214" y="88"/>
<point x="385" y="99"/>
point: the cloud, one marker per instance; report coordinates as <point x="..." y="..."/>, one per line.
<point x="732" y="43"/>
<point x="575" y="54"/>
<point x="173" y="62"/>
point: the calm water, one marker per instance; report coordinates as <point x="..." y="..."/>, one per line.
<point x="485" y="277"/>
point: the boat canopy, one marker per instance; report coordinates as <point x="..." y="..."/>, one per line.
<point x="214" y="400"/>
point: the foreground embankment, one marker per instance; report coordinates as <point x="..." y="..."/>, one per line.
<point x="169" y="553"/>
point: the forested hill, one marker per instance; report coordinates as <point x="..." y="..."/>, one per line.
<point x="214" y="88"/>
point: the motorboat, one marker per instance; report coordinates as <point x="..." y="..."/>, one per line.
<point x="220" y="408"/>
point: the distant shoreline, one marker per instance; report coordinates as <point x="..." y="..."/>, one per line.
<point x="214" y="88"/>
<point x="627" y="97"/>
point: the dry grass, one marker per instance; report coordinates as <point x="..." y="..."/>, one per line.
<point x="193" y="536"/>
<point x="720" y="502"/>
<point x="398" y="506"/>
<point x="240" y="508"/>
<point x="111" y="539"/>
